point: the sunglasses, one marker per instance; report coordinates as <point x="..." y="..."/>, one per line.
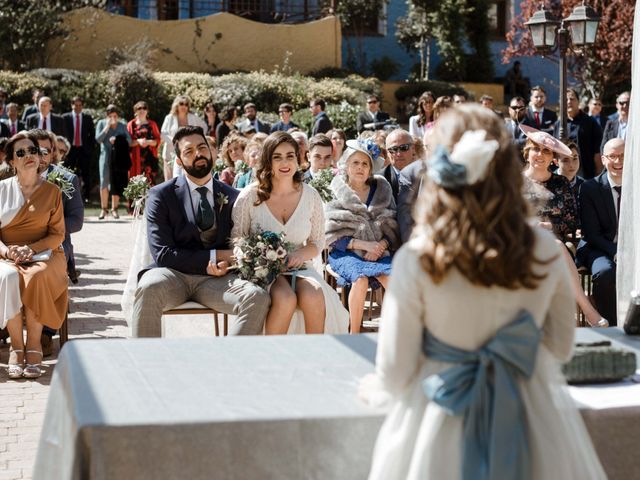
<point x="399" y="148"/>
<point x="145" y="108"/>
<point x="183" y="104"/>
<point x="27" y="151"/>
<point x="516" y="108"/>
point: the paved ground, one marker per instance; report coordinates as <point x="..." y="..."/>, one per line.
<point x="102" y="254"/>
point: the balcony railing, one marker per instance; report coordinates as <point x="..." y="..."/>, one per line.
<point x="267" y="11"/>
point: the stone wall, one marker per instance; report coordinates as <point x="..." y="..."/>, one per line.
<point x="217" y="42"/>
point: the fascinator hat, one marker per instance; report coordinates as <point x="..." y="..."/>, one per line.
<point x="545" y="140"/>
<point x="366" y="146"/>
<point x="465" y="164"/>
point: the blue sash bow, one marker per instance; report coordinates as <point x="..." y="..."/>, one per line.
<point x="483" y="388"/>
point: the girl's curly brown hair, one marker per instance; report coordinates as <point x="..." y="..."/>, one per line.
<point x="481" y="229"/>
<point x="264" y="172"/>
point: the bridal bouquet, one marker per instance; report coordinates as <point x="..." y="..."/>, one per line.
<point x="261" y="257"/>
<point x="322" y="183"/>
<point x="136" y="191"/>
<point x="56" y="176"/>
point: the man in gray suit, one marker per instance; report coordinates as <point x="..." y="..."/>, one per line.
<point x="188" y="226"/>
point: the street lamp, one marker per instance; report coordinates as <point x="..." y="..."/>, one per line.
<point x="548" y="34"/>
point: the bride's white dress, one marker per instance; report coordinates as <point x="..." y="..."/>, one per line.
<point x="306" y="225"/>
<point x="140" y="258"/>
<point x="418" y="439"/>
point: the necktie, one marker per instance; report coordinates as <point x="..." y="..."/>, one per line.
<point x="44" y="123"/>
<point x="619" y="190"/>
<point x="205" y="217"/>
<point x="76" y="136"/>
<point x="537" y="117"/>
<point x="13" y="128"/>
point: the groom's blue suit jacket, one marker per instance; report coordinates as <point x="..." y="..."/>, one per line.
<point x="174" y="238"/>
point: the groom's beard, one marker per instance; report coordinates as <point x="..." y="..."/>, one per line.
<point x="200" y="171"/>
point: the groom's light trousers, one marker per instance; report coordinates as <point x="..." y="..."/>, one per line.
<point x="162" y="289"/>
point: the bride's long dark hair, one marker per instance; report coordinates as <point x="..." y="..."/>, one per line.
<point x="264" y="172"/>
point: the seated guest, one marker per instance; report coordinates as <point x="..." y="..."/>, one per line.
<point x="319" y="156"/>
<point x="400" y="153"/>
<point x="568" y="167"/>
<point x="281" y="203"/>
<point x="232" y="151"/>
<point x="372" y="118"/>
<point x="6" y="170"/>
<point x="599" y="213"/>
<point x="285" y="110"/>
<point x="211" y="119"/>
<point x="338" y="140"/>
<point x="188" y="229"/>
<point x="361" y="226"/>
<point x="441" y="105"/>
<point x="31" y="222"/>
<point x="228" y="123"/>
<point x="556" y="208"/>
<point x="303" y="147"/>
<point x="252" y="153"/>
<point x="62" y="149"/>
<point x="251" y="120"/>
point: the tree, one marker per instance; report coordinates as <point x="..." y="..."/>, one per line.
<point x="358" y="18"/>
<point x="480" y="61"/>
<point x="415" y="32"/>
<point x="602" y="70"/>
<point x="27" y="25"/>
<point x="444" y="21"/>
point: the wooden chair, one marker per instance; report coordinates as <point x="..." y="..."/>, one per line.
<point x="587" y="286"/>
<point x="194" y="308"/>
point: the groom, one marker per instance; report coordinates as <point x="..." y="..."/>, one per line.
<point x="188" y="225"/>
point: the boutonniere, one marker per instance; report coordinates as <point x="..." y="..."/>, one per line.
<point x="222" y="200"/>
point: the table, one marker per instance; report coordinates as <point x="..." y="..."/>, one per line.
<point x="250" y="408"/>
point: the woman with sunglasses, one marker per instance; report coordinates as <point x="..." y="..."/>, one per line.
<point x="179" y="116"/>
<point x="33" y="291"/>
<point x="556" y="207"/>
<point x="145" y="136"/>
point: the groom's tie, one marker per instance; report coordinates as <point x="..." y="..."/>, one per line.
<point x="205" y="217"/>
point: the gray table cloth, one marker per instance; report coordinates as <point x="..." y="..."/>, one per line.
<point x="281" y="408"/>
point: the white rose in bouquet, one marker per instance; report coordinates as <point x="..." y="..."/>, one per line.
<point x="272" y="255"/>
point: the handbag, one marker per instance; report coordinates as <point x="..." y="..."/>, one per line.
<point x="632" y="320"/>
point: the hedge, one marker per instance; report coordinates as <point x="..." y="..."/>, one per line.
<point x="130" y="82"/>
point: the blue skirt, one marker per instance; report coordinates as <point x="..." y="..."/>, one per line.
<point x="351" y="267"/>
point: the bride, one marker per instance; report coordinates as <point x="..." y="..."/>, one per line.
<point x="280" y="202"/>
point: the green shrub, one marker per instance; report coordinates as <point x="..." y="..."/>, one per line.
<point x="127" y="83"/>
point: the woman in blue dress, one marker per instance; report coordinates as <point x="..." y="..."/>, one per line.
<point x="360" y="225"/>
<point x="107" y="131"/>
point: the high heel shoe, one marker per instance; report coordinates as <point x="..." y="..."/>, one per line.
<point x="33" y="370"/>
<point x="602" y="323"/>
<point x="103" y="213"/>
<point x="15" y="370"/>
<point x="114" y="214"/>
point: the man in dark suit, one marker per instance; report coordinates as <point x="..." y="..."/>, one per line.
<point x="45" y="119"/>
<point x="584" y="132"/>
<point x="251" y="120"/>
<point x="36" y="95"/>
<point x="189" y="225"/>
<point x="537" y="115"/>
<point x="599" y="212"/>
<point x="371" y="116"/>
<point x="517" y="113"/>
<point x="319" y="156"/>
<point x="73" y="210"/>
<point x="617" y="127"/>
<point x="82" y="137"/>
<point x="321" y="121"/>
<point x="400" y="153"/>
<point x="595" y="112"/>
<point x="4" y="130"/>
<point x="13" y="124"/>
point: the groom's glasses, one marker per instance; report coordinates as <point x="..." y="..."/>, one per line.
<point x="27" y="151"/>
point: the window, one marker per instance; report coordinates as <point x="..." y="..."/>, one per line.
<point x="498" y="18"/>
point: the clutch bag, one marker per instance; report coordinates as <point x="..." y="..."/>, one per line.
<point x="599" y="362"/>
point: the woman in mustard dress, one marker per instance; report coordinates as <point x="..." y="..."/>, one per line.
<point x="31" y="223"/>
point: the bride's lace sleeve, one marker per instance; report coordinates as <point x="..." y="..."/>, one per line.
<point x="241" y="213"/>
<point x="317" y="220"/>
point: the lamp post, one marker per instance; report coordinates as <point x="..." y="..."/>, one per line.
<point x="550" y="34"/>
